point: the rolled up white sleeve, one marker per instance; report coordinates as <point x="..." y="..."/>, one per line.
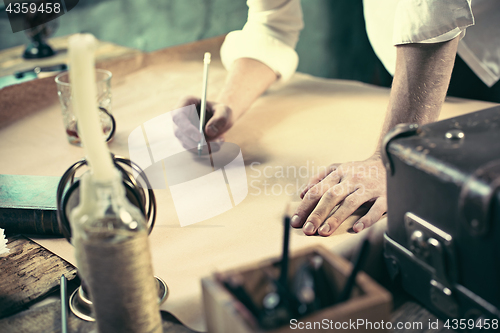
<point x="397" y="22"/>
<point x="431" y="21"/>
<point x="269" y="36"/>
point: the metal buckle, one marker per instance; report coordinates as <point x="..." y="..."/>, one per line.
<point x="434" y="248"/>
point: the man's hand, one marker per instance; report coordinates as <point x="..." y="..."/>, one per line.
<point x="246" y="81"/>
<point x="348" y="185"/>
<point x="186" y="121"/>
<point x="418" y="90"/>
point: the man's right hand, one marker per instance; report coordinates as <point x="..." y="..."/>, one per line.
<point x="186" y="121"/>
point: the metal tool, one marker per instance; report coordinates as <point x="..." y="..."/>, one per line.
<point x="37" y="70"/>
<point x="203" y="106"/>
<point x="64" y="305"/>
<point x="30" y="74"/>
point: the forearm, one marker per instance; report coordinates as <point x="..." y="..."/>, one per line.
<point x="246" y="81"/>
<point x="421" y="79"/>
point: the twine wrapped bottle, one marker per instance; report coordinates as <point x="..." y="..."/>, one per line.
<point x="112" y="251"/>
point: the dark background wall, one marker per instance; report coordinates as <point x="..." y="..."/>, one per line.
<point x="333" y="43"/>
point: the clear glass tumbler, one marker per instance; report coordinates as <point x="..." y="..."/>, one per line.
<point x="103" y="80"/>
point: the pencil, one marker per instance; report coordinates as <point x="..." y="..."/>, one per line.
<point x="358" y="264"/>
<point x="283" y="279"/>
<point x="203" y="106"/>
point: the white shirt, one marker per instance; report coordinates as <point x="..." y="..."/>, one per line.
<point x="270" y="35"/>
<point x="273" y="28"/>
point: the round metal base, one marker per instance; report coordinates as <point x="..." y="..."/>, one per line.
<point x="81" y="305"/>
<point x="37" y="50"/>
<point x="162" y="290"/>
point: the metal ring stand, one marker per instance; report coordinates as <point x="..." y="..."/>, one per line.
<point x="113" y="124"/>
<point x="145" y="200"/>
<point x="81" y="305"/>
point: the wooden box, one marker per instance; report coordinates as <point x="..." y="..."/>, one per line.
<point x="369" y="302"/>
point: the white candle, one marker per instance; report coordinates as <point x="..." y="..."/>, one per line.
<point x="84" y="92"/>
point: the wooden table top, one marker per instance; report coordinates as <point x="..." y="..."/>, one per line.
<point x="308" y="121"/>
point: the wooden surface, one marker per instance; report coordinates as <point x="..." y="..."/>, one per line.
<point x="29" y="272"/>
<point x="306" y="122"/>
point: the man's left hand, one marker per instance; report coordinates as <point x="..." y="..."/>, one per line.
<point x="348" y="185"/>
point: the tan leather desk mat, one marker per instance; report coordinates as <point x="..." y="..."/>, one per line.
<point x="308" y="122"/>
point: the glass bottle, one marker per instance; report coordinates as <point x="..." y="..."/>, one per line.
<point x="112" y="251"/>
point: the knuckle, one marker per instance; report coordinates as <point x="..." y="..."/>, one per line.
<point x="331" y="193"/>
<point x="382" y="209"/>
<point x="335" y="173"/>
<point x="314" y="193"/>
<point x="351" y="201"/>
<point x="314" y="179"/>
<point x="180" y="115"/>
<point x="356" y="178"/>
<point x="313" y="196"/>
<point x="315" y="217"/>
<point x="333" y="167"/>
<point x="367" y="219"/>
<point x="176" y="116"/>
<point x="338" y="190"/>
<point x="333" y="221"/>
<point x="311" y="184"/>
<point x="178" y="132"/>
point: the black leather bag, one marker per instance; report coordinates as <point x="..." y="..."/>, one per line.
<point x="443" y="191"/>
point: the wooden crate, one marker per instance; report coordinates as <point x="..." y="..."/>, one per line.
<point x="369" y="301"/>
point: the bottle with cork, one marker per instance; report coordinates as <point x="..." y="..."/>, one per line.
<point x="108" y="232"/>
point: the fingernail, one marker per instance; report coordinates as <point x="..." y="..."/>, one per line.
<point x="295" y="220"/>
<point x="325" y="228"/>
<point x="309" y="227"/>
<point x="359" y="226"/>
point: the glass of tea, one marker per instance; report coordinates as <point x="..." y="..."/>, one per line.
<point x="103" y="80"/>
